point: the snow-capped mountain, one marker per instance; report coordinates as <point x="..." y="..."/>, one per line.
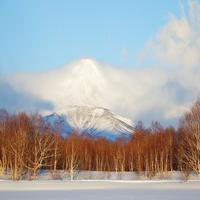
<point x="92" y="121"/>
<point x="84" y="96"/>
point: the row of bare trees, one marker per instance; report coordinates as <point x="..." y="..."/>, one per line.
<point x="25" y="144"/>
<point x="28" y="144"/>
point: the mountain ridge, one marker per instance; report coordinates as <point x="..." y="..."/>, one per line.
<point x="90" y="120"/>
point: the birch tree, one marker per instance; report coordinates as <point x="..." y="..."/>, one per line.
<point x="190" y="141"/>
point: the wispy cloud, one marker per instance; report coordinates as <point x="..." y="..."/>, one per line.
<point x="175" y="49"/>
<point x="178" y="42"/>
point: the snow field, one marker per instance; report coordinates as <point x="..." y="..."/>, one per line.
<point x="95" y="190"/>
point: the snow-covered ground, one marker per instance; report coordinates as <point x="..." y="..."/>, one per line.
<point x="103" y="190"/>
<point x="103" y="175"/>
<point x="44" y="175"/>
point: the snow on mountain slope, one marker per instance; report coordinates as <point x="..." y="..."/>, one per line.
<point x="93" y="121"/>
<point x="58" y="123"/>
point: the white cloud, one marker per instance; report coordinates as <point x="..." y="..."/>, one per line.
<point x="177" y="43"/>
<point x="175" y="49"/>
<point x="161" y="93"/>
<point x="87" y="82"/>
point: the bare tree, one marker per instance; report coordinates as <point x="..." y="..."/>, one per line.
<point x="39" y="146"/>
<point x="4" y="120"/>
<point x="72" y="158"/>
<point x="39" y="153"/>
<point x="19" y="127"/>
<point x="190" y="141"/>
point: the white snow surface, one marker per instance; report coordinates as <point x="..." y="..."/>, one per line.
<point x="99" y="190"/>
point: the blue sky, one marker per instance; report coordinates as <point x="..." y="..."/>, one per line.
<point x="43" y="34"/>
<point x="152" y="49"/>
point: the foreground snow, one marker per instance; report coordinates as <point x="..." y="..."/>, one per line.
<point x="85" y="190"/>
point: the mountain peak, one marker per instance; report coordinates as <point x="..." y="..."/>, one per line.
<point x="85" y="83"/>
<point x="86" y="66"/>
<point x="87" y="61"/>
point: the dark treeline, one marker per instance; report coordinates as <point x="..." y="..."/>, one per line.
<point x="28" y="145"/>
